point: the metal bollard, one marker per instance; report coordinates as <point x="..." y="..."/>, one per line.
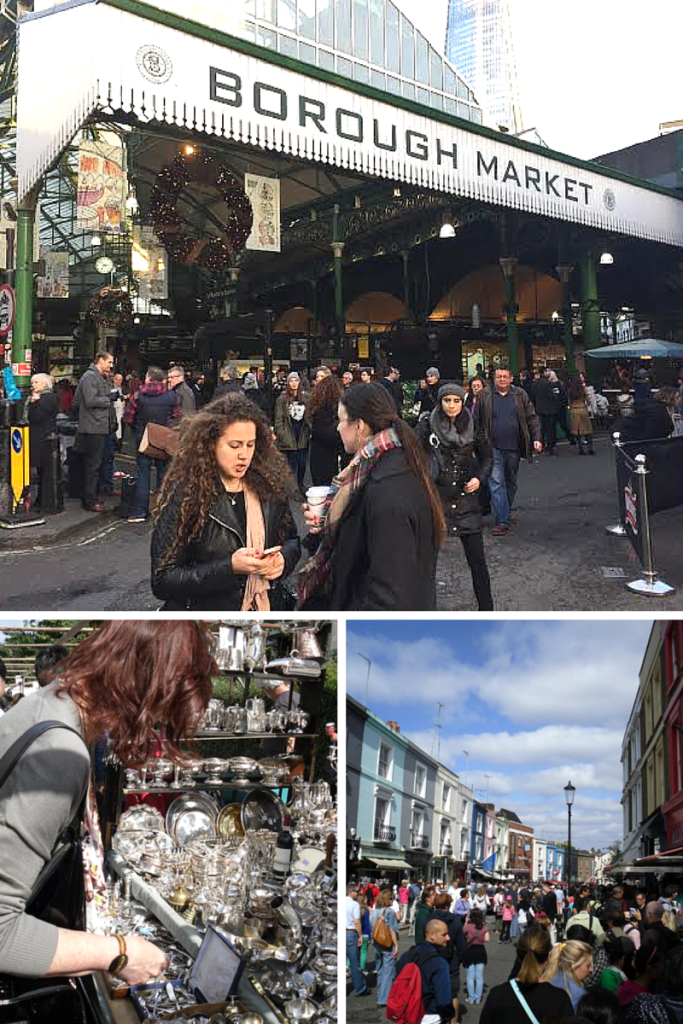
<point x="52" y="491"/>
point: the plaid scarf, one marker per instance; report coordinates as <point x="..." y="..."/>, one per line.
<point x="316" y="575"/>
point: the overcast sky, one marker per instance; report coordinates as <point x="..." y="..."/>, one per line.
<point x="535" y="704"/>
<point x="594" y="75"/>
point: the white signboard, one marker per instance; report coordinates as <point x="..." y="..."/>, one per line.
<point x="264" y="195"/>
<point x="159" y="73"/>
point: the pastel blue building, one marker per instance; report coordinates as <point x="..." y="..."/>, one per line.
<point x="555" y="863"/>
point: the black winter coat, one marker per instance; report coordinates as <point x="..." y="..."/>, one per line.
<point x="326" y="446"/>
<point x="200" y="577"/>
<point x="456" y="467"/>
<point x="385" y="555"/>
<point x="42" y="417"/>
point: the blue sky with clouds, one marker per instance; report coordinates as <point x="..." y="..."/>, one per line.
<point x="534" y="703"/>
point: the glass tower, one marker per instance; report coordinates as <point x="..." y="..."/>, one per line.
<point x="479" y="44"/>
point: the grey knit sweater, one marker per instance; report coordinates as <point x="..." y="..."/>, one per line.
<point x="39" y="799"/>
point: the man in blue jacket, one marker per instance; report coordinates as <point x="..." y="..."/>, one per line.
<point x="436" y="980"/>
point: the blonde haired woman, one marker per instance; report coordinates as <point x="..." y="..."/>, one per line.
<point x="569" y="965"/>
<point x="528" y="996"/>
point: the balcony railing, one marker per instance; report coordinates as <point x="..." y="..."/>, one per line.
<point x="385" y="834"/>
<point x="446" y="849"/>
<point x="420" y="842"/>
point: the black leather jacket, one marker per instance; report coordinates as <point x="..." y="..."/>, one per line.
<point x="200" y="576"/>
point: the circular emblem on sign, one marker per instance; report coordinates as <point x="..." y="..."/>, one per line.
<point x="609" y="199"/>
<point x="17" y="442"/>
<point x="154" y="64"/>
<point x="6" y="309"/>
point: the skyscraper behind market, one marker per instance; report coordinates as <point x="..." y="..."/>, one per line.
<point x="479" y="43"/>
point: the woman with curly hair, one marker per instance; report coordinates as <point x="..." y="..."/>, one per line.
<point x="136" y="681"/>
<point x="326" y="446"/>
<point x="224" y="535"/>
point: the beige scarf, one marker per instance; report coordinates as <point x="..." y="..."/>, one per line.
<point x="256" y="590"/>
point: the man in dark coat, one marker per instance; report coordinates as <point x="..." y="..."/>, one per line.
<point x="428" y="390"/>
<point x="455" y="950"/>
<point x="436" y="982"/>
<point x="548" y="397"/>
<point x="511" y="424"/>
<point x="183" y="392"/>
<point x="392" y="383"/>
<point x="95" y="416"/>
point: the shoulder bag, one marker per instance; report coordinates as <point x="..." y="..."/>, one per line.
<point x="525" y="1006"/>
<point x="58" y="897"/>
<point x="381" y="933"/>
<point x="158" y="442"/>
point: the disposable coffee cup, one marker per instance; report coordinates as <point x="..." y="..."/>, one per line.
<point x="316" y="496"/>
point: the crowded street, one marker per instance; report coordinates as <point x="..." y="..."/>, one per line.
<point x="552" y="559"/>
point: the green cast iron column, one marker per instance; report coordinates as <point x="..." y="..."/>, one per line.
<point x="338" y="254"/>
<point x="565" y="272"/>
<point x="590" y="307"/>
<point x="509" y="266"/>
<point x="23" y="284"/>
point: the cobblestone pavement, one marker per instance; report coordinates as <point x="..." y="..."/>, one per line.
<point x="501" y="959"/>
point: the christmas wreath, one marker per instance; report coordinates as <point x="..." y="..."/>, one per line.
<point x="214" y="252"/>
<point x="111" y="307"/>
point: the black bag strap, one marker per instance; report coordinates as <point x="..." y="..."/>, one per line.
<point x="9" y="760"/>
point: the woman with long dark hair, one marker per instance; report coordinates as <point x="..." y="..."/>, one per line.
<point x="224" y="535"/>
<point x="292" y="429"/>
<point x="461" y="461"/>
<point x="383" y="520"/>
<point x="141" y="682"/>
<point x="580" y="425"/>
<point x="326" y="445"/>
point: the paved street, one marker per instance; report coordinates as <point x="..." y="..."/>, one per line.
<point x="501" y="959"/>
<point x="551" y="561"/>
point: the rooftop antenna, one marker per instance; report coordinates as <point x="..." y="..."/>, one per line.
<point x="437" y="730"/>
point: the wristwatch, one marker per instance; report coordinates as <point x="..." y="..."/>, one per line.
<point x="121" y="961"/>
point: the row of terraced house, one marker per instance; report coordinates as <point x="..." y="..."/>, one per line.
<point x="408" y="816"/>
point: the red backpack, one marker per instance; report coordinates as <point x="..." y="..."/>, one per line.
<point x="405" y="1004"/>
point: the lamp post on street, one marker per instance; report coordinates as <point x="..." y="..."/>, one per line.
<point x="569" y="791"/>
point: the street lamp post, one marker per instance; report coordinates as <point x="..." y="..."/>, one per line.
<point x="569" y="791"/>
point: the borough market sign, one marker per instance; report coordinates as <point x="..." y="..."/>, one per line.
<point x="186" y="75"/>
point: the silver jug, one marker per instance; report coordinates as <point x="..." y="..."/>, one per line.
<point x="306" y="644"/>
<point x="256" y="715"/>
<point x="240" y="721"/>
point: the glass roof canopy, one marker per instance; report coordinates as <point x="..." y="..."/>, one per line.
<point x="368" y="41"/>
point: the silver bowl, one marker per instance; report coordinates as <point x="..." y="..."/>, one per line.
<point x="301" y="1009"/>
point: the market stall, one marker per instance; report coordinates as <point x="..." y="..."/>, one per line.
<point x="227" y="860"/>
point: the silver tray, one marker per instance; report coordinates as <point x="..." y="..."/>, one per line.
<point x="194" y="824"/>
<point x="189" y="802"/>
<point x="262" y="809"/>
<point x="139" y="817"/>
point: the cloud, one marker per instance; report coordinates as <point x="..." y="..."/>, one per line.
<point x="534" y="703"/>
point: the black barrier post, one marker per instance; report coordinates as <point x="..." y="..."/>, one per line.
<point x="52" y="492"/>
<point x="650" y="586"/>
<point x="618" y="530"/>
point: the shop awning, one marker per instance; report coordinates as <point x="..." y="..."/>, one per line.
<point x="168" y="70"/>
<point x="381" y="862"/>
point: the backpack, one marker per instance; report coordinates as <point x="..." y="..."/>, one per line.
<point x="405" y="1004"/>
<point x="381" y="932"/>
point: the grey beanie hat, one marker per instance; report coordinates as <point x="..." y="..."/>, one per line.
<point x="294" y="376"/>
<point x="432" y="371"/>
<point x="450" y="388"/>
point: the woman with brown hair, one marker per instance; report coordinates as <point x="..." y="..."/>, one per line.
<point x="136" y="681"/>
<point x="385" y="956"/>
<point x="383" y="520"/>
<point x="224" y="535"/>
<point x="326" y="447"/>
<point x="580" y="425"/>
<point x="292" y="429"/>
<point x="528" y="996"/>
